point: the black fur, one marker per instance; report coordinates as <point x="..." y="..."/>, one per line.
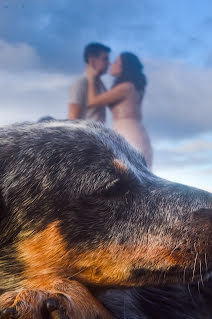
<point x="170" y="302"/>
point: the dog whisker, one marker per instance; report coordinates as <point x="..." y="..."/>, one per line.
<point x="166" y="256"/>
<point x="198" y="285"/>
<point x="184" y="275"/>
<point x="177" y="246"/>
<point x="189" y="290"/>
<point x="200" y="270"/>
<point x="206" y="263"/>
<point x="79" y="272"/>
<point x="194" y="268"/>
<point x="164" y="276"/>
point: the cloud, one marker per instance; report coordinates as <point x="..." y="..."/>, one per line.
<point x="185" y="175"/>
<point x="17" y="57"/>
<point x="59" y="31"/>
<point x="207" y="22"/>
<point x="208" y="172"/>
<point x="185" y="161"/>
<point x="30" y="96"/>
<point x="178" y="100"/>
<point x="208" y="59"/>
<point x="196" y="151"/>
<point x="195" y="146"/>
<point x="28" y="92"/>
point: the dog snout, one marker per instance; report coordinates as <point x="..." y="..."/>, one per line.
<point x="202" y="223"/>
<point x="201" y="232"/>
<point x="203" y="215"/>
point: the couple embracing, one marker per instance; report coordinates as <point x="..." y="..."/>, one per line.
<point x="89" y="97"/>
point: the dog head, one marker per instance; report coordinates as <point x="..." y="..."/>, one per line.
<point x="109" y="219"/>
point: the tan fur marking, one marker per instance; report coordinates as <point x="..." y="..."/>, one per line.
<point x="118" y="164"/>
<point x="44" y="255"/>
<point x="47" y="259"/>
<point x="113" y="265"/>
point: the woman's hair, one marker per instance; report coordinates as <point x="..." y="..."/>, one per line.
<point x="132" y="71"/>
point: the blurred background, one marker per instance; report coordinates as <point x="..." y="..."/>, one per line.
<point x="41" y="45"/>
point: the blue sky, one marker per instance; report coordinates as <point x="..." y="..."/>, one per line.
<point x="41" y="43"/>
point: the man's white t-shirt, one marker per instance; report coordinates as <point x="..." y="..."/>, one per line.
<point x="79" y="95"/>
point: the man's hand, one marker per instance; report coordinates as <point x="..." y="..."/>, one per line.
<point x="91" y="72"/>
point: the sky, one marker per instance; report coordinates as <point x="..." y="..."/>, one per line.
<point x="41" y="45"/>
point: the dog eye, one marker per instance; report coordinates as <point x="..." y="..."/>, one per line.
<point x="113" y="188"/>
<point x="112" y="184"/>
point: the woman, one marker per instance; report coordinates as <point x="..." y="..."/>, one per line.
<point x="124" y="100"/>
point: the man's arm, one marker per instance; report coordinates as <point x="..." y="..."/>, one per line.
<point x="74" y="111"/>
<point x="77" y="100"/>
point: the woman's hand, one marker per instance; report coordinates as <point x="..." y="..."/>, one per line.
<point x="91" y="72"/>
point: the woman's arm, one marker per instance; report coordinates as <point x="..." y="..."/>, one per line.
<point x="116" y="94"/>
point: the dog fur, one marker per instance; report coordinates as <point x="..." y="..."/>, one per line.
<point x="83" y="220"/>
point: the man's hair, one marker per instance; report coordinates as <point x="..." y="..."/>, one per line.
<point x="94" y="49"/>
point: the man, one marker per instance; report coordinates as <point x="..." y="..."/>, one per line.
<point x="97" y="56"/>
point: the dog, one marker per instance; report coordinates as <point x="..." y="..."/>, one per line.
<point x="87" y="229"/>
